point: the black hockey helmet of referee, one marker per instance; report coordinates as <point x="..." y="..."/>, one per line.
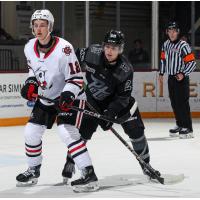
<point x="115" y="38"/>
<point x="173" y="25"/>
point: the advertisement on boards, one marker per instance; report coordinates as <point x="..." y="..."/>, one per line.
<point x="12" y="105"/>
<point x="150" y="95"/>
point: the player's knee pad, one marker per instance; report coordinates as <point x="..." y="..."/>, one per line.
<point x="33" y="133"/>
<point x="139" y="143"/>
<point x="141" y="147"/>
<point x="133" y="132"/>
<point x="68" y="133"/>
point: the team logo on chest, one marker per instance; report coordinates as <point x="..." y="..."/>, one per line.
<point x="67" y="50"/>
<point x="41" y="77"/>
<point x="98" y="88"/>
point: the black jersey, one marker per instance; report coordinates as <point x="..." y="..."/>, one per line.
<point x="109" y="86"/>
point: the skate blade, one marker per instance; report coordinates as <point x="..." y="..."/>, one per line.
<point x="173" y="134"/>
<point x="186" y="136"/>
<point x="90" y="187"/>
<point x="27" y="184"/>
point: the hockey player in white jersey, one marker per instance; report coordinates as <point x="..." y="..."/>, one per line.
<point x="54" y="72"/>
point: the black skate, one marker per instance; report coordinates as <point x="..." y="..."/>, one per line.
<point x="29" y="177"/>
<point x="87" y="183"/>
<point x="186" y="133"/>
<point x="149" y="175"/>
<point x="68" y="169"/>
<point x="173" y="131"/>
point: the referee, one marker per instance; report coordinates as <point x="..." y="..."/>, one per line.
<point x="178" y="61"/>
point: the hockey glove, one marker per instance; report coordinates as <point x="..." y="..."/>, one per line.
<point x="30" y="88"/>
<point x="66" y="100"/>
<point x="105" y="125"/>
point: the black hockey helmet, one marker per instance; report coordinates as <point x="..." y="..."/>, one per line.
<point x="114" y="37"/>
<point x="173" y="25"/>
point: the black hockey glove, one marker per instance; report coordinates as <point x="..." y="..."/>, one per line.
<point x="105" y="125"/>
<point x="30" y="88"/>
<point x="66" y="100"/>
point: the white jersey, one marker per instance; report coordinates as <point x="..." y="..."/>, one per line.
<point x="56" y="71"/>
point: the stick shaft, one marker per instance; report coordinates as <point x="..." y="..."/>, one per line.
<point x="87" y="112"/>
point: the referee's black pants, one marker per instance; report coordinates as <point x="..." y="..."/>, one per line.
<point x="179" y="97"/>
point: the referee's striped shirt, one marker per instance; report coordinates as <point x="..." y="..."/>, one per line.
<point x="177" y="57"/>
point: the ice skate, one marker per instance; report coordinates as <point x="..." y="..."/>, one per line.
<point x="87" y="183"/>
<point x="149" y="175"/>
<point x="173" y="131"/>
<point x="29" y="177"/>
<point x="186" y="133"/>
<point x="68" y="170"/>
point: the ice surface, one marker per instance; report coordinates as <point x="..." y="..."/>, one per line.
<point x="117" y="169"/>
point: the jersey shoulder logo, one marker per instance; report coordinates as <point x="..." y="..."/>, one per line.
<point x="96" y="50"/>
<point x="67" y="50"/>
<point x="124" y="67"/>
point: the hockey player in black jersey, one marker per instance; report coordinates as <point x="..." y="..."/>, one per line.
<point x="109" y="77"/>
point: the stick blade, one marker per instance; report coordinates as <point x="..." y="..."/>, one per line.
<point x="170" y="179"/>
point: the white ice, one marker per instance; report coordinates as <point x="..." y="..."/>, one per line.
<point x="117" y="169"/>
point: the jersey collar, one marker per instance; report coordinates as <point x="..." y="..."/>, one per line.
<point x="49" y="52"/>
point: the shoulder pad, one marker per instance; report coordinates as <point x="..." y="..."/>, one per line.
<point x="31" y="41"/>
<point x="93" y="55"/>
<point x="124" y="69"/>
<point x="64" y="42"/>
<point x="30" y="44"/>
<point x="166" y="42"/>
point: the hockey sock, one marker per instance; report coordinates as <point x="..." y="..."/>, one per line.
<point x="79" y="154"/>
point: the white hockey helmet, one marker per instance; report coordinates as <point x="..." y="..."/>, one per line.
<point x="45" y="15"/>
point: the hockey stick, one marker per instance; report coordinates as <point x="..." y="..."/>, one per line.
<point x="87" y="112"/>
<point x="140" y="160"/>
<point x="119" y="120"/>
<point x="94" y="114"/>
